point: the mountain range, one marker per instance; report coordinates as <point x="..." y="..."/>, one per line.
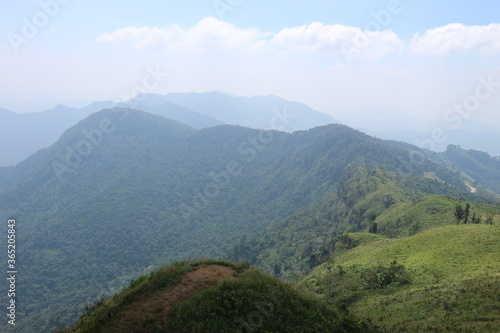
<point x="23" y="134"/>
<point x="124" y="192"/>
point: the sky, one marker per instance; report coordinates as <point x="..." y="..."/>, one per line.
<point x="428" y="59"/>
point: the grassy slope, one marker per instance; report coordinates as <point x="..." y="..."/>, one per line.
<point x="483" y="168"/>
<point x="182" y="298"/>
<point x="455" y="272"/>
<point x="405" y="219"/>
<point x="285" y="247"/>
<point x="457" y="252"/>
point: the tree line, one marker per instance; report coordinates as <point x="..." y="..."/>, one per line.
<point x="463" y="215"/>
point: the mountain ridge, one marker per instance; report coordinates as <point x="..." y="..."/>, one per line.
<point x="127" y="177"/>
<point x="45" y="127"/>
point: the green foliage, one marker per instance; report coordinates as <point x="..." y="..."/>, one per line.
<point x="479" y="165"/>
<point x="380" y="276"/>
<point x="409" y="218"/>
<point x="453" y="273"/>
<point x="257" y="303"/>
<point x="463" y="214"/>
<point x="253" y="302"/>
<point x="284" y="248"/>
<point x="373" y="228"/>
<point x="466" y="213"/>
<point x="476" y="219"/>
<point x="462" y="306"/>
<point x="459" y="213"/>
<point x="118" y="210"/>
<point x="101" y="315"/>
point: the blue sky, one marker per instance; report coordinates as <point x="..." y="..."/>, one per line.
<point x="418" y="57"/>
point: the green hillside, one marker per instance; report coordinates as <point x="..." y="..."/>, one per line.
<point x="483" y="169"/>
<point x="408" y="218"/>
<point x="291" y="246"/>
<point x="124" y="192"/>
<point x="213" y="297"/>
<point x="444" y="279"/>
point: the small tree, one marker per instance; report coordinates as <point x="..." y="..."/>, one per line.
<point x="476" y="219"/>
<point x="489" y="219"/>
<point x="459" y="213"/>
<point x="373" y="228"/>
<point x="466" y="213"/>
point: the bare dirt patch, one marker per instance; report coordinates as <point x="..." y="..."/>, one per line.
<point x="471" y="188"/>
<point x="139" y="316"/>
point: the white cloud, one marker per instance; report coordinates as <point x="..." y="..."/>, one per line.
<point x="213" y="34"/>
<point x="208" y="34"/>
<point x="338" y="39"/>
<point x="457" y="37"/>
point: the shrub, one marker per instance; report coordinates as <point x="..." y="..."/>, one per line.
<point x="380" y="277"/>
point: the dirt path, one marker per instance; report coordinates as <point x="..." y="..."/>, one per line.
<point x="471" y="189"/>
<point x="139" y="314"/>
<point x="193" y="281"/>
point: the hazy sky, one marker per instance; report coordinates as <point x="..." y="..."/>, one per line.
<point x="419" y="57"/>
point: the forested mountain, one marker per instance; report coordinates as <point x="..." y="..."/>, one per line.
<point x="287" y="245"/>
<point x="23" y="134"/>
<point x="481" y="167"/>
<point x="125" y="191"/>
<point x="175" y="112"/>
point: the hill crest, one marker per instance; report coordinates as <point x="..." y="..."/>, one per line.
<point x="212" y="297"/>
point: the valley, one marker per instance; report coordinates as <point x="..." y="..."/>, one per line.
<point x="117" y="197"/>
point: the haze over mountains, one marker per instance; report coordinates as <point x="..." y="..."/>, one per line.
<point x="24" y="134"/>
<point x="435" y="135"/>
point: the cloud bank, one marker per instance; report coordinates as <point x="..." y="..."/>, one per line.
<point x="208" y="34"/>
<point x="211" y="34"/>
<point x="457" y="37"/>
